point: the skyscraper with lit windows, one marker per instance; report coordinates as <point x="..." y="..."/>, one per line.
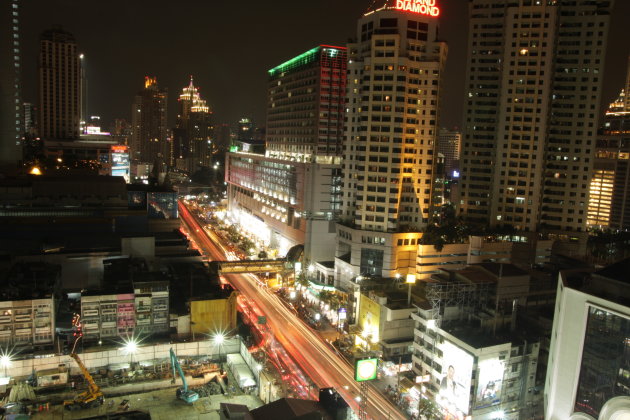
<point x="59" y="85"/>
<point x="10" y="84"/>
<point x="533" y="87"/>
<point x="394" y="79"/>
<point x="149" y="124"/>
<point x="192" y="136"/>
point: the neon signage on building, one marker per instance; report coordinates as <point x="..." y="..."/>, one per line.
<point x="422" y="7"/>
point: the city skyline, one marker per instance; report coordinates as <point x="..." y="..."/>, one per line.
<point x="202" y="48"/>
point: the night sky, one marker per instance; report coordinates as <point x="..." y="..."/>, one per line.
<point x="228" y="46"/>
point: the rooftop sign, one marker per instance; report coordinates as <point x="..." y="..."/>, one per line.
<point x="422" y="7"/>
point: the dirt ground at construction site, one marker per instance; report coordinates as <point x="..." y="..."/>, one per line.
<point x="160" y="405"/>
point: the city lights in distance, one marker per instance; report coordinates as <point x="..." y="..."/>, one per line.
<point x="421" y="7"/>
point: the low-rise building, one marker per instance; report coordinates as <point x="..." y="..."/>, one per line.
<point x="386" y="325"/>
<point x="28" y="299"/>
<point x="469" y="354"/>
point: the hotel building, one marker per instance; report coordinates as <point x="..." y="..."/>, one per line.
<point x="394" y="72"/>
<point x="291" y="195"/>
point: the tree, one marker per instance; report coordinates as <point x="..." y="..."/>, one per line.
<point x="429" y="409"/>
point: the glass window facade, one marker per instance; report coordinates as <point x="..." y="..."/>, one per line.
<point x="605" y="368"/>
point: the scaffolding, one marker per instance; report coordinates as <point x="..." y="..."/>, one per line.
<point x="463" y="295"/>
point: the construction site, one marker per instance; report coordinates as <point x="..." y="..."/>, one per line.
<point x="191" y="381"/>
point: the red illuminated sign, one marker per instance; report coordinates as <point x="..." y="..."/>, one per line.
<point x="422" y="7"/>
<point x="119" y="149"/>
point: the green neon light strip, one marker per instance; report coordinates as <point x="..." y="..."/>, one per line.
<point x="300" y="60"/>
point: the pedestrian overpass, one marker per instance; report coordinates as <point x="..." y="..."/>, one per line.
<point x="250" y="266"/>
<point x="278" y="265"/>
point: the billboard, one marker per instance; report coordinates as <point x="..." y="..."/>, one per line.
<point x="120" y="161"/>
<point x="457" y="366"/>
<point x="366" y="369"/>
<point x="490" y="383"/>
<point x="370" y="317"/>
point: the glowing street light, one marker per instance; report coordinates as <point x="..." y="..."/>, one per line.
<point x="130" y="347"/>
<point x="219" y="339"/>
<point x="5" y="360"/>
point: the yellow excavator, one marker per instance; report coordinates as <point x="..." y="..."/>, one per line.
<point x="93" y="397"/>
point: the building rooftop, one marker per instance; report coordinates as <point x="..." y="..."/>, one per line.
<point x="619" y="271"/>
<point x="289" y="408"/>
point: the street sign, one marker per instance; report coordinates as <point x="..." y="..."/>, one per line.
<point x="366" y="369"/>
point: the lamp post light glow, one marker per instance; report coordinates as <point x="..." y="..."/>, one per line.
<point x="219" y="339"/>
<point x="410" y="280"/>
<point x="5" y="361"/>
<point x="130" y="347"/>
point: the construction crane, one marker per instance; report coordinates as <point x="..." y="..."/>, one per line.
<point x="93" y="396"/>
<point x="183" y="393"/>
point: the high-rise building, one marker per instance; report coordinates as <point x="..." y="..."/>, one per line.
<point x="148" y="123"/>
<point x="311" y="86"/>
<point x="10" y="85"/>
<point x="59" y="85"/>
<point x="609" y="200"/>
<point x="291" y="195"/>
<point x="449" y="144"/>
<point x="394" y="73"/>
<point x="192" y="135"/>
<point x="535" y="72"/>
<point x="588" y="365"/>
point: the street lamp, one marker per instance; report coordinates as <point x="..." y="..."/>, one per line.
<point x="130" y="347"/>
<point x="218" y="340"/>
<point x="5" y="361"/>
<point x="411" y="280"/>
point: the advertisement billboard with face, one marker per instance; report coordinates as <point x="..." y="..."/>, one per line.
<point x="457" y="365"/>
<point x="490" y="383"/>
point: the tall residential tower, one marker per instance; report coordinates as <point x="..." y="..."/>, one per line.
<point x="148" y="123"/>
<point x="59" y="85"/>
<point x="535" y="72"/>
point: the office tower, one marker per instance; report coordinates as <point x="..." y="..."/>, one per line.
<point x="59" y="85"/>
<point x="29" y="123"/>
<point x="449" y="144"/>
<point x="310" y="88"/>
<point x="394" y="74"/>
<point x="535" y="71"/>
<point x="609" y="201"/>
<point x="192" y="135"/>
<point x="291" y="195"/>
<point x="10" y="85"/>
<point x="148" y="123"/>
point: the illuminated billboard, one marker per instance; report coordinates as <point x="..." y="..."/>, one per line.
<point x="120" y="161"/>
<point x="457" y="366"/>
<point x="369" y="318"/>
<point x="421" y="7"/>
<point x="490" y="383"/>
<point x="366" y="369"/>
